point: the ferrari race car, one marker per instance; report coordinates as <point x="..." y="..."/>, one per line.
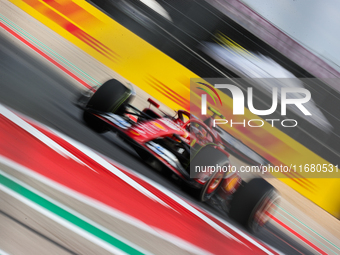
<point x="182" y="145"/>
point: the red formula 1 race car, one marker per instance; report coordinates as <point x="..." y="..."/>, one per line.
<point x="183" y="145"/>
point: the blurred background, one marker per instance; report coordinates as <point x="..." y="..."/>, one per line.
<point x="228" y="39"/>
<point x="158" y="46"/>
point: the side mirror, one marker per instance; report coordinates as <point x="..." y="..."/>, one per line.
<point x="155" y="104"/>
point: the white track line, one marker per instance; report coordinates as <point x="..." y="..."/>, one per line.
<point x="3" y="252"/>
<point x="105" y="163"/>
<point x="62" y="221"/>
<point x="73" y="212"/>
<point x="103" y="207"/>
<point x="180" y="201"/>
<point x="89" y="152"/>
<point x="53" y="145"/>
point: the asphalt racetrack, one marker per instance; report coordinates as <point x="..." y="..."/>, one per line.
<point x="34" y="87"/>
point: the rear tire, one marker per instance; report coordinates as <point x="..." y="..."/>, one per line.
<point x="252" y="202"/>
<point x="112" y="96"/>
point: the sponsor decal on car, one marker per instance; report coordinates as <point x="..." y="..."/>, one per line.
<point x="158" y="125"/>
<point x="117" y="120"/>
<point x="170" y="124"/>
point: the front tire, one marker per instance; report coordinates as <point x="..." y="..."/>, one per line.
<point x="112" y="96"/>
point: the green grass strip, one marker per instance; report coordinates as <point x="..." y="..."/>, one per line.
<point x="43" y="202"/>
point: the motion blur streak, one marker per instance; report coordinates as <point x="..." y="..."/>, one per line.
<point x="47" y="98"/>
<point x="305" y="232"/>
<point x="41" y="53"/>
<point x="103" y="207"/>
<point x="65" y="216"/>
<point x="186" y="221"/>
<point x="134" y="51"/>
<point x="283" y="211"/>
<point x="298" y="235"/>
<point x="53" y="145"/>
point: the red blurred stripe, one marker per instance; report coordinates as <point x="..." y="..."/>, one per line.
<point x="297" y="235"/>
<point x="41" y="53"/>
